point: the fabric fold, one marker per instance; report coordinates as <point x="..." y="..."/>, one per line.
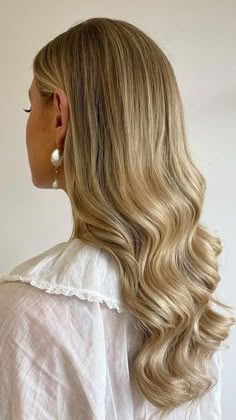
<point x="73" y="268"/>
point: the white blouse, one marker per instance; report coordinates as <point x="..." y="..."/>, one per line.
<point x="67" y="343"/>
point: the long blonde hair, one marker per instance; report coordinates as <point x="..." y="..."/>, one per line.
<point x="136" y="192"/>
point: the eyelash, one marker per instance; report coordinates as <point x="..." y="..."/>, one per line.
<point x="27" y="110"/>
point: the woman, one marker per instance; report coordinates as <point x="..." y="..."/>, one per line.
<point x="128" y="327"/>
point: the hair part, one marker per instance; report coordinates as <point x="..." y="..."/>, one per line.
<point x="136" y="193"/>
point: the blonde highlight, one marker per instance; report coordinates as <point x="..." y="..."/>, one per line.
<point x="136" y="193"/>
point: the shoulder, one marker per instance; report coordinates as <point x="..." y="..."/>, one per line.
<point x="29" y="315"/>
<point x="71" y="268"/>
<point x="35" y="325"/>
<point x="16" y="296"/>
<point x="42" y="341"/>
<point x="21" y="300"/>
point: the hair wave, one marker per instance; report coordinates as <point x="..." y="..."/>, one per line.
<point x="136" y="192"/>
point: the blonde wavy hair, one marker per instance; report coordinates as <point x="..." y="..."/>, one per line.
<point x="136" y="192"/>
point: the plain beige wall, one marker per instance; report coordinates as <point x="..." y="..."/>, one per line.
<point x="199" y="39"/>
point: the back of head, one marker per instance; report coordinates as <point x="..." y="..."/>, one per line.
<point x="136" y="192"/>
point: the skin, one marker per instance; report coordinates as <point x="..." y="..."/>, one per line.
<point x="46" y="130"/>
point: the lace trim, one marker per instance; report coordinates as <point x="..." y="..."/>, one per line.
<point x="83" y="294"/>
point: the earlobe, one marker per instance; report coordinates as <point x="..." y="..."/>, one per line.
<point x="60" y="143"/>
<point x="61" y="130"/>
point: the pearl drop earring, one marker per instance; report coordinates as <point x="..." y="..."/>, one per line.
<point x="56" y="159"/>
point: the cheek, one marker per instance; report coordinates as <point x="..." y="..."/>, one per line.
<point x="36" y="129"/>
<point x="34" y="137"/>
<point x="29" y="135"/>
<point x="33" y="143"/>
<point x="38" y="149"/>
<point x="28" y="129"/>
<point x="31" y="129"/>
<point x="31" y="139"/>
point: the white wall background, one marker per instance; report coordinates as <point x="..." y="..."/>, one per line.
<point x="199" y="39"/>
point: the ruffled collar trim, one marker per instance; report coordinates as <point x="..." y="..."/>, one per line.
<point x="73" y="268"/>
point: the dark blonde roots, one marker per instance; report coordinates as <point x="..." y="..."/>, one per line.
<point x="136" y="193"/>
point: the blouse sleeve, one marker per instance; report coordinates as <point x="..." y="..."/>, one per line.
<point x="65" y="359"/>
<point x="47" y="365"/>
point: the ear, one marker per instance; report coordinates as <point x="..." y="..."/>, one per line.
<point x="61" y="116"/>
